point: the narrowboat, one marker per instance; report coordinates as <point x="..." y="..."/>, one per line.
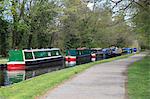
<point x="96" y="54"/>
<point x="127" y="50"/>
<point x="107" y="52"/>
<point x="116" y="51"/>
<point x="134" y="50"/>
<point x="77" y="56"/>
<point x="24" y="64"/>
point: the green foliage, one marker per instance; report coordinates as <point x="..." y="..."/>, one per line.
<point x="42" y="15"/>
<point x="142" y="21"/>
<point x="64" y="24"/>
<point x="3" y="36"/>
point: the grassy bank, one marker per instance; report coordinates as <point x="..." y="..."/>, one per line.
<point x="36" y="86"/>
<point x="139" y="79"/>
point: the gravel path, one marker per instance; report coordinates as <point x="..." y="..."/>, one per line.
<point x="103" y="81"/>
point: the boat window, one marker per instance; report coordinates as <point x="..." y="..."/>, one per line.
<point x="55" y="53"/>
<point x="71" y="52"/>
<point x="93" y="51"/>
<point x="49" y="53"/>
<point x="79" y="52"/>
<point x="40" y="54"/>
<point x="28" y="55"/>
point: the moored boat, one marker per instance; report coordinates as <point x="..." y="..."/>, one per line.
<point x="77" y="56"/>
<point x="24" y="64"/>
<point x="96" y="54"/>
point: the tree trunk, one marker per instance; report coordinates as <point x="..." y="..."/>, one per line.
<point x="30" y="41"/>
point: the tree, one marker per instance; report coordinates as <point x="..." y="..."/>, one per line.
<point x="142" y="23"/>
<point x="71" y="24"/>
<point x="42" y="15"/>
<point x="3" y="32"/>
<point x="139" y="17"/>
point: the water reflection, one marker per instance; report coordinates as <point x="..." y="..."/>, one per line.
<point x="37" y="72"/>
<point x="10" y="77"/>
<point x="2" y="74"/>
<point x="15" y="76"/>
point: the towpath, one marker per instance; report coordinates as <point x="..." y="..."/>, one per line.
<point x="102" y="81"/>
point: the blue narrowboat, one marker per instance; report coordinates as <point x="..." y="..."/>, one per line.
<point x="127" y="50"/>
<point x="107" y="53"/>
<point x="134" y="50"/>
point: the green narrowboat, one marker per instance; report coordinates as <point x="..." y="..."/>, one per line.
<point x="24" y="64"/>
<point x="77" y="56"/>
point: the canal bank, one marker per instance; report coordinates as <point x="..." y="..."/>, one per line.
<point x="105" y="81"/>
<point x="43" y="83"/>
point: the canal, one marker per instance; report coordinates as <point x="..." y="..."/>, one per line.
<point x="10" y="77"/>
<point x="2" y="74"/>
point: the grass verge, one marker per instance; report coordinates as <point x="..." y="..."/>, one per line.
<point x="139" y="79"/>
<point x="31" y="88"/>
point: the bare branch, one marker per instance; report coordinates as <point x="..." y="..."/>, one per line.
<point x="127" y="6"/>
<point x="112" y="1"/>
<point x="123" y="9"/>
<point x="143" y="6"/>
<point x="132" y="16"/>
<point x="116" y="3"/>
<point x="138" y="4"/>
<point x="147" y="2"/>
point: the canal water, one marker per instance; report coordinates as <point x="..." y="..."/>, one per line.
<point x="10" y="77"/>
<point x="3" y="74"/>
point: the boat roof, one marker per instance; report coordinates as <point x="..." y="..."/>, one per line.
<point x="96" y="48"/>
<point x="48" y="49"/>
